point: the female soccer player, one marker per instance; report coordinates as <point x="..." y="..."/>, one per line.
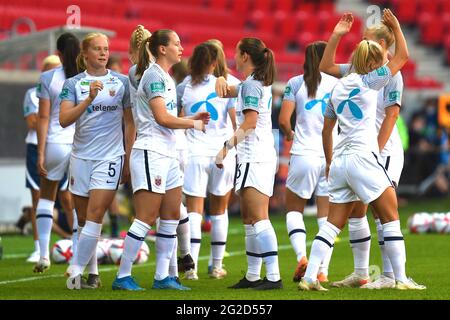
<point x="201" y="174"/>
<point x="256" y="159"/>
<point x="155" y="171"/>
<point x="308" y="95"/>
<point x="96" y="100"/>
<point x="391" y="157"/>
<point x="30" y="109"/>
<point x="54" y="146"/>
<point x="355" y="172"/>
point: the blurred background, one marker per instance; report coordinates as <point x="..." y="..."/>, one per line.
<point x="29" y="28"/>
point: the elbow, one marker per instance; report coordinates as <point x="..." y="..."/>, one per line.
<point x="63" y="123"/>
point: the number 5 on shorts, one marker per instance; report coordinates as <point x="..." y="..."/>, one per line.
<point x="111" y="170"/>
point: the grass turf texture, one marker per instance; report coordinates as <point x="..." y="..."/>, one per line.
<point x="427" y="261"/>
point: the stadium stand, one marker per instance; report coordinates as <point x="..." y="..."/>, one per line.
<point x="286" y="26"/>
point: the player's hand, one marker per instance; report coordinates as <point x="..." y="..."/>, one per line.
<point x="94" y="88"/>
<point x="126" y="177"/>
<point x="290" y="136"/>
<point x="40" y="166"/>
<point x="390" y="20"/>
<point x="203" y="116"/>
<point x="344" y="25"/>
<point x="222" y="87"/>
<point x="220" y="157"/>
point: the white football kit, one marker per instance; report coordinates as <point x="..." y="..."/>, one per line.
<point x="201" y="172"/>
<point x="256" y="154"/>
<point x="392" y="156"/>
<point x="98" y="151"/>
<point x="307" y="164"/>
<point x="59" y="140"/>
<point x="355" y="171"/>
<point x="154" y="165"/>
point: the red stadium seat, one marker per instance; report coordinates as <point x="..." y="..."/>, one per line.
<point x="406" y="10"/>
<point x="432" y="29"/>
<point x="263" y="21"/>
<point x="263" y="5"/>
<point x="284" y="5"/>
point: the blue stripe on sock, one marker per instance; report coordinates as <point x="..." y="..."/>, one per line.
<point x="296" y="231"/>
<point x="268" y="254"/>
<point x="169" y="236"/>
<point x="218" y="243"/>
<point x="252" y="254"/>
<point x="44" y="216"/>
<point x="183" y="221"/>
<point x="196" y="240"/>
<point x="323" y="240"/>
<point x="132" y="235"/>
<point x="393" y="238"/>
<point x="360" y="240"/>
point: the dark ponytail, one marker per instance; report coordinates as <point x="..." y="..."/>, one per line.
<point x="151" y="45"/>
<point x="202" y="58"/>
<point x="69" y="47"/>
<point x="262" y="59"/>
<point x="312" y="76"/>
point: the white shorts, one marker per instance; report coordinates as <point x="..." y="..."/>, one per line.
<point x="182" y="158"/>
<point x="56" y="162"/>
<point x="86" y="175"/>
<point x="258" y="175"/>
<point x="394" y="166"/>
<point x="154" y="172"/>
<point x="202" y="176"/>
<point x="357" y="177"/>
<point x="307" y="176"/>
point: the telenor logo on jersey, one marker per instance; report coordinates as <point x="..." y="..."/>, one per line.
<point x="322" y="101"/>
<point x="101" y="107"/>
<point x="157" y="87"/>
<point x="251" y="101"/>
<point x="209" y="106"/>
<point x="354" y="109"/>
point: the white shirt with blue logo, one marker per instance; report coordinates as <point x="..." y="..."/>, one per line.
<point x="98" y="134"/>
<point x="353" y="102"/>
<point x="259" y="146"/>
<point x="388" y="96"/>
<point x="155" y="82"/>
<point x="199" y="98"/>
<point x="31" y="106"/>
<point x="309" y="114"/>
<point x="49" y="88"/>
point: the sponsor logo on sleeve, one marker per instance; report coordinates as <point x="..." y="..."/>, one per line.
<point x="382" y="71"/>
<point x="394" y="96"/>
<point x="157" y="87"/>
<point x="250" y="101"/>
<point x="64" y="93"/>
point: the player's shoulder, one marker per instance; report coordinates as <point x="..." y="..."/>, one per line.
<point x="119" y="76"/>
<point x="48" y="75"/>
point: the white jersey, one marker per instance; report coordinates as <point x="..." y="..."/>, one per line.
<point x="133" y="83"/>
<point x="98" y="134"/>
<point x="155" y="82"/>
<point x="309" y="114"/>
<point x="259" y="146"/>
<point x="31" y="106"/>
<point x="388" y="96"/>
<point x="353" y="102"/>
<point x="200" y="98"/>
<point x="49" y="88"/>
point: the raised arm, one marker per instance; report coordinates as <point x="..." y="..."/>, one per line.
<point x="328" y="62"/>
<point x="401" y="48"/>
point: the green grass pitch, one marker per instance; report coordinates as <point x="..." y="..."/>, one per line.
<point x="428" y="259"/>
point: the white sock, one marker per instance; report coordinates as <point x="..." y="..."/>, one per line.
<point x="387" y="266"/>
<point x="87" y="246"/>
<point x="297" y="233"/>
<point x="44" y="222"/>
<point x="36" y="246"/>
<point x="219" y="230"/>
<point x="184" y="232"/>
<point x="166" y="239"/>
<point x="254" y="260"/>
<point x="326" y="261"/>
<point x="210" y="260"/>
<point x="74" y="235"/>
<point x="195" y="221"/>
<point x="92" y="265"/>
<point x="321" y="246"/>
<point x="131" y="246"/>
<point x="173" y="265"/>
<point x="268" y="246"/>
<point x="395" y="248"/>
<point x="359" y="232"/>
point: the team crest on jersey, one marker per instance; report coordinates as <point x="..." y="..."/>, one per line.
<point x="72" y="181"/>
<point x="112" y="92"/>
<point x="158" y="181"/>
